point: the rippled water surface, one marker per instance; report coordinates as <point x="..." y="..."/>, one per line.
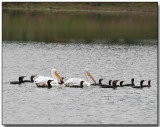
<point x="28" y="104"/>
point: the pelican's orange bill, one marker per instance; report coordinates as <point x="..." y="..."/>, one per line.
<point x="91" y="76"/>
<point x="59" y="76"/>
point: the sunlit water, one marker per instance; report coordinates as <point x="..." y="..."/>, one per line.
<point x="28" y="104"/>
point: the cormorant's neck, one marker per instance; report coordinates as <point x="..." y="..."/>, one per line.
<point x="110" y="82"/>
<point x="49" y="84"/>
<point x="121" y="83"/>
<point x="114" y="85"/>
<point x="61" y="81"/>
<point x="20" y="80"/>
<point x="141" y="83"/>
<point x="100" y="81"/>
<point x="81" y="84"/>
<point x="149" y="83"/>
<point x="32" y="79"/>
<point x="132" y="82"/>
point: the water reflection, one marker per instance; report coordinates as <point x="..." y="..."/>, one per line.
<point x="55" y="26"/>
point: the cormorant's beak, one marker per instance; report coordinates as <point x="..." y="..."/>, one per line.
<point x="58" y="76"/>
<point x="91" y="76"/>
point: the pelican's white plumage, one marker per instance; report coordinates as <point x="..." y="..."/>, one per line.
<point x="42" y="80"/>
<point x="76" y="81"/>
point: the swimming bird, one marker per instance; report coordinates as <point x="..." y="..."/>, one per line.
<point x="31" y="79"/>
<point x="120" y="84"/>
<point x="132" y="83"/>
<point x="73" y="81"/>
<point x="42" y="80"/>
<point x="149" y="84"/>
<point x="20" y="80"/>
<point x="48" y="84"/>
<point x="61" y="82"/>
<point x="114" y="83"/>
<point x="77" y="86"/>
<point x="110" y="81"/>
<point x="96" y="84"/>
<point x="141" y="85"/>
<point x="109" y="85"/>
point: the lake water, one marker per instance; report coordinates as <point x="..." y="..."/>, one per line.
<point x="123" y="57"/>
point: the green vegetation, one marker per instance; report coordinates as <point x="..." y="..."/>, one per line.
<point x="94" y="6"/>
<point x="64" y="26"/>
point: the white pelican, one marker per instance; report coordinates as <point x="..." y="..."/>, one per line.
<point x="77" y="81"/>
<point x="42" y="80"/>
<point x="77" y="86"/>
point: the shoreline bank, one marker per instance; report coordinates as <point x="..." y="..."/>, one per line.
<point x="77" y="10"/>
<point x="84" y="7"/>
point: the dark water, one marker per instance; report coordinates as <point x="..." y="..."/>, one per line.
<point x="127" y="48"/>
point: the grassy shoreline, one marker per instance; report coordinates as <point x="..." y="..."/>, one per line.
<point x="85" y="6"/>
